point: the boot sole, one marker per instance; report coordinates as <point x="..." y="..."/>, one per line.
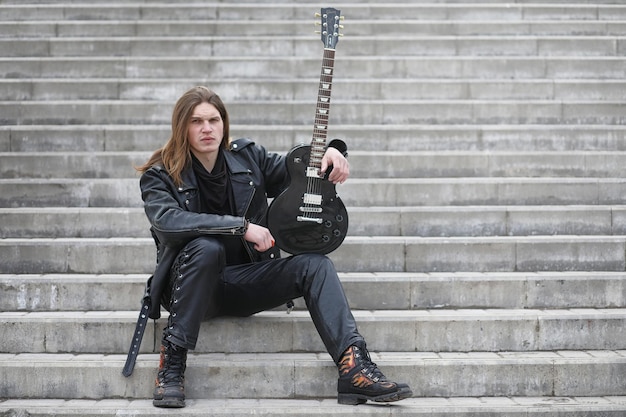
<point x="169" y="403"/>
<point x="356" y="399"/>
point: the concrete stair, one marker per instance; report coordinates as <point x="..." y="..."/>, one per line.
<point x="486" y="260"/>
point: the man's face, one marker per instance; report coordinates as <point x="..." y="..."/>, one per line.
<point x="205" y="131"/>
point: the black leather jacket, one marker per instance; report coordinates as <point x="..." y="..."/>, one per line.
<point x="255" y="174"/>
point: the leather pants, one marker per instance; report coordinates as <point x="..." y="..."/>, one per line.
<point x="203" y="287"/>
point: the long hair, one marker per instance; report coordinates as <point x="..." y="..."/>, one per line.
<point x="175" y="155"/>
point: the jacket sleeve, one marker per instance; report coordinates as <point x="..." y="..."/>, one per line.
<point x="171" y="222"/>
<point x="340" y="145"/>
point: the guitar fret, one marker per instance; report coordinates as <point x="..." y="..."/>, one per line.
<point x="322" y="110"/>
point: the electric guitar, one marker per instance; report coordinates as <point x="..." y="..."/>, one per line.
<point x="308" y="216"/>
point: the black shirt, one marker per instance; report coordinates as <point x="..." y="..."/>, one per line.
<point x="216" y="197"/>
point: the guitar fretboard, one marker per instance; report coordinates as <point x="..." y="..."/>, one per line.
<point x="320" y="129"/>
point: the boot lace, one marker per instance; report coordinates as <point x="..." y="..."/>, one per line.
<point x="370" y="368"/>
<point x="174" y="367"/>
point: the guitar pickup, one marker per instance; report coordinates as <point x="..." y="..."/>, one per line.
<point x="315" y="199"/>
<point x="312" y="172"/>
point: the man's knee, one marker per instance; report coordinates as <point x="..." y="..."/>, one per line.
<point x="316" y="269"/>
<point x="320" y="262"/>
<point x="204" y="251"/>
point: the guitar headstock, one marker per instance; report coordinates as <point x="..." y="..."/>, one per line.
<point x="330" y="19"/>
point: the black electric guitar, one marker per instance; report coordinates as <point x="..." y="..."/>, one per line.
<point x="309" y="216"/>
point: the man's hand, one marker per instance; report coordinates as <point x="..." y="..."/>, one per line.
<point x="341" y="168"/>
<point x="260" y="236"/>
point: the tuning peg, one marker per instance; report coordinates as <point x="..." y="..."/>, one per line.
<point x="317" y="14"/>
<point x="340" y="26"/>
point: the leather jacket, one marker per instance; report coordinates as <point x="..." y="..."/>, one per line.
<point x="173" y="211"/>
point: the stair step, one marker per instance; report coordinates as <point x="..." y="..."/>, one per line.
<point x="344" y="111"/>
<point x="123" y="192"/>
<point x="397" y="25"/>
<point x="424" y="406"/>
<point x="363" y="164"/>
<point x="469" y="330"/>
<point x="480" y="191"/>
<point x="58" y="222"/>
<point x="313" y="376"/>
<point x="303" y="89"/>
<point x="365" y="291"/>
<point x="367" y="137"/>
<point x="427" y="221"/>
<point x="423" y="10"/>
<point x="307" y="45"/>
<point x="375" y="67"/>
<point x="356" y="254"/>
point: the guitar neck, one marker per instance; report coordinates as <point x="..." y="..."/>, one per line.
<point x="320" y="129"/>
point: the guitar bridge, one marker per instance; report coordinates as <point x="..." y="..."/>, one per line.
<point x="311" y="209"/>
<point x="308" y="219"/>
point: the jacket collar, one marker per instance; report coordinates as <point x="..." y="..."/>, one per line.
<point x="189" y="180"/>
<point x="235" y="166"/>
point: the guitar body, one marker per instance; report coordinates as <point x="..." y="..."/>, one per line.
<point x="309" y="216"/>
<point x="313" y="230"/>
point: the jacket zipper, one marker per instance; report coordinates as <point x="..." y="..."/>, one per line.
<point x="245" y="244"/>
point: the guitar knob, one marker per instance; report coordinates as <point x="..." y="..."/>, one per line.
<point x="337" y="232"/>
<point x="339" y="218"/>
<point x="328" y="223"/>
<point x="326" y="238"/>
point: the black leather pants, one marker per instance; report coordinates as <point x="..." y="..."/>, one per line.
<point x="202" y="287"/>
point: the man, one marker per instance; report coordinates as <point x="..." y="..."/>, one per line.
<point x="206" y="200"/>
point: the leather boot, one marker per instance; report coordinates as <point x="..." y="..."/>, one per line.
<point x="169" y="391"/>
<point x="361" y="380"/>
